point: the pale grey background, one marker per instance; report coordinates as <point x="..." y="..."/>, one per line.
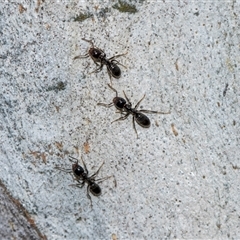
<point x="181" y="54"/>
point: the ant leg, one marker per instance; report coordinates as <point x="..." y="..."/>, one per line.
<point x="96" y="63"/>
<point x="63" y="169"/>
<point x="134" y="126"/>
<point x="149" y="111"/>
<point x="122" y="112"/>
<point x="127" y="98"/>
<point x="115" y="61"/>
<point x="105" y="104"/>
<point x="88" y="195"/>
<point x="110" y="76"/>
<point x="79" y="185"/>
<point x="103" y="179"/>
<point x="72" y="158"/>
<point x="97" y="70"/>
<point x="121" y="118"/>
<point x="113" y="89"/>
<point x="84" y="165"/>
<point x="89" y="41"/>
<point x="139" y="102"/>
<point x="81" y="56"/>
<point x="116" y="56"/>
<point x="96" y="173"/>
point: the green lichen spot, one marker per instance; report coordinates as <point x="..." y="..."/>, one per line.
<point x="122" y="6"/>
<point x="82" y="16"/>
<point x="60" y="86"/>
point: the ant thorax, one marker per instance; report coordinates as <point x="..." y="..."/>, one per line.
<point x="119" y="103"/>
<point x="128" y="107"/>
<point x="84" y="175"/>
<point x="102" y="56"/>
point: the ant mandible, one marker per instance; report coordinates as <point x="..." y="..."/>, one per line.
<point x="125" y="108"/>
<point x="80" y="174"/>
<point x="99" y="57"/>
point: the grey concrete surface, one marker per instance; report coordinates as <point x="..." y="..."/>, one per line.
<point x="180" y="178"/>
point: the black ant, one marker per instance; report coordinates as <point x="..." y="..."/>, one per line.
<point x="125" y="108"/>
<point x="99" y="57"/>
<point x="80" y="174"/>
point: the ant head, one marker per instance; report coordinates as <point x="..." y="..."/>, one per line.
<point x="96" y="54"/>
<point x="119" y="102"/>
<point x="77" y="169"/>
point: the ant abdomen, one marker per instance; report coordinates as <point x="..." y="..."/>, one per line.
<point x="114" y="70"/>
<point x="95" y="189"/>
<point x="142" y="120"/>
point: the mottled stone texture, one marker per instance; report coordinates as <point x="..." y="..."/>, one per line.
<point x="15" y="222"/>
